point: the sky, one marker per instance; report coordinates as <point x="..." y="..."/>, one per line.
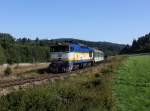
<point x="118" y="21"/>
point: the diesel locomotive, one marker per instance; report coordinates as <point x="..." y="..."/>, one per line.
<point x="66" y="56"/>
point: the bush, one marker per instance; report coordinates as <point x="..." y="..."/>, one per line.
<point x="96" y="82"/>
<point x="8" y="71"/>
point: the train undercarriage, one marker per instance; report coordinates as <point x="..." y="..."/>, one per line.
<point x="65" y="66"/>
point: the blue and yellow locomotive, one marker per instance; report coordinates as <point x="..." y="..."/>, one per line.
<point x="65" y="56"/>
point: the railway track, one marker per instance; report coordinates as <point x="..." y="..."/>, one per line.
<point x="18" y="82"/>
<point x="11" y="83"/>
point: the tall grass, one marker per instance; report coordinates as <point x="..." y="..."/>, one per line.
<point x="71" y="94"/>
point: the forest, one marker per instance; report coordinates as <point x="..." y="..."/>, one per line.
<point x="141" y="45"/>
<point x="25" y="50"/>
<point x="22" y="50"/>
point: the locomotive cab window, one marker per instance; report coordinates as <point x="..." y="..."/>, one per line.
<point x="59" y="49"/>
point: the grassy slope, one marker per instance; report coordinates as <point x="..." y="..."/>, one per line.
<point x="132" y="84"/>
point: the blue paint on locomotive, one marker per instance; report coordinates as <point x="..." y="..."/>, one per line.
<point x="79" y="48"/>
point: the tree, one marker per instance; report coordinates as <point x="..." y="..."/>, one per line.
<point x="125" y="50"/>
<point x="2" y="56"/>
<point x="6" y="40"/>
<point x="37" y="40"/>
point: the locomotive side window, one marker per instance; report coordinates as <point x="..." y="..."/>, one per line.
<point x="71" y="49"/>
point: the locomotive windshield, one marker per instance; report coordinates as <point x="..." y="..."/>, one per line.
<point x="59" y="49"/>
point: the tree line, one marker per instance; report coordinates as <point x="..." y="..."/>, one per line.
<point x="22" y="50"/>
<point x="141" y="45"/>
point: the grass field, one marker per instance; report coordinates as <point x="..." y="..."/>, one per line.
<point x="131" y="86"/>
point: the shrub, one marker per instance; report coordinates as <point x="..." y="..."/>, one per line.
<point x="97" y="75"/>
<point x="8" y="71"/>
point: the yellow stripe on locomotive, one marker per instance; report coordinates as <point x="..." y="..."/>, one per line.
<point x="79" y="56"/>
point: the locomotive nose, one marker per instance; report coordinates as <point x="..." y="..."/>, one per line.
<point x="59" y="56"/>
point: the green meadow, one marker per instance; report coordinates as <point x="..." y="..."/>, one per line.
<point x="131" y="84"/>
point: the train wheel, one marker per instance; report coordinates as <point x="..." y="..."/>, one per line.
<point x="92" y="63"/>
<point x="80" y="66"/>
